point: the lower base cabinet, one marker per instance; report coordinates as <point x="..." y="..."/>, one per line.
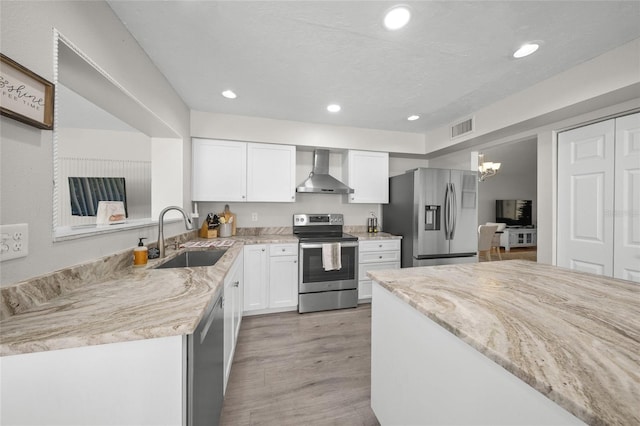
<point x="375" y="255"/>
<point x="140" y="382"/>
<point x="271" y="278"/>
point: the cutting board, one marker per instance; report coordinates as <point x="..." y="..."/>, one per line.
<point x="227" y="215"/>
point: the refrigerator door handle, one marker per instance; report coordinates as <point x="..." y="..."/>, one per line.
<point x="454" y="211"/>
<point x="447" y="212"/>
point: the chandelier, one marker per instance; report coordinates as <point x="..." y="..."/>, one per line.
<point x="486" y="168"/>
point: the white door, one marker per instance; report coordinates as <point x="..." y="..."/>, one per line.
<point x="585" y="198"/>
<point x="283" y="281"/>
<point x="626" y="263"/>
<point x="256" y="275"/>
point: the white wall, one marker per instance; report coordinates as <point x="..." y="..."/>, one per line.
<point x="586" y="87"/>
<point x="26" y="157"/>
<point x="255" y="129"/>
<point x="517" y="178"/>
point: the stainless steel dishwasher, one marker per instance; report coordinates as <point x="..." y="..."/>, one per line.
<point x="205" y="369"/>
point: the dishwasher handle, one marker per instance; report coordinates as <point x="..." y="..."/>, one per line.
<point x="210" y="318"/>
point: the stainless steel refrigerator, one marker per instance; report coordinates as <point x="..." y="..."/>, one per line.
<point x="436" y="212"/>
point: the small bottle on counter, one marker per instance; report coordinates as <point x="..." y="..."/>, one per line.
<point x="140" y="254"/>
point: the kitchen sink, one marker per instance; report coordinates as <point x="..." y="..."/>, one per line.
<point x="194" y="258"/>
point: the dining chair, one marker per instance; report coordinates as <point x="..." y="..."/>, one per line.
<point x="485" y="239"/>
<point x="495" y="243"/>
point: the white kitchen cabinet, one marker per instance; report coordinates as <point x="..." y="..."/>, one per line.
<point x="271" y="278"/>
<point x="233" y="304"/>
<point x="139" y="382"/>
<point x="240" y="171"/>
<point x="271" y="172"/>
<point x="219" y="170"/>
<point x="375" y="255"/>
<point x="283" y="275"/>
<point x="256" y="277"/>
<point x="367" y="172"/>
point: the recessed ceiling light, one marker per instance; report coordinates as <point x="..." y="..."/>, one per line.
<point x="526" y="50"/>
<point x="333" y="108"/>
<point x="229" y="94"/>
<point x="413" y="117"/>
<point x="397" y="17"/>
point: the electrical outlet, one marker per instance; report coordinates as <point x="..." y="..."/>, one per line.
<point x="254" y="217"/>
<point x="14" y="242"/>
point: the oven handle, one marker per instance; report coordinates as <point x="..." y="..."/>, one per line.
<point x="319" y="245"/>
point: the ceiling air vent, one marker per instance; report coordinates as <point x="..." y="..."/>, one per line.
<point x="462" y="128"/>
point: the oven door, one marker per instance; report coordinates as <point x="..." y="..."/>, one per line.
<point x="313" y="277"/>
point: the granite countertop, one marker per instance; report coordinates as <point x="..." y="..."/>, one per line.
<point x="365" y="236"/>
<point x="572" y="336"/>
<point x="74" y="307"/>
<point x="131" y="304"/>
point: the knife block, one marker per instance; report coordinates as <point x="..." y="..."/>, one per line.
<point x="205" y="232"/>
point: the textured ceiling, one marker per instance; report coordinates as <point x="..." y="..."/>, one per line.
<point x="290" y="59"/>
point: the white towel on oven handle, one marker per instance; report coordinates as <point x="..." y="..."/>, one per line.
<point x="331" y="256"/>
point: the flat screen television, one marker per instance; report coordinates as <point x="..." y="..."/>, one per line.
<point x="86" y="192"/>
<point x="514" y="212"/>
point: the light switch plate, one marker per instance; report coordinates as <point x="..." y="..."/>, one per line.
<point x="14" y="241"/>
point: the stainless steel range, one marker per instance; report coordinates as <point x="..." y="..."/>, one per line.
<point x="328" y="263"/>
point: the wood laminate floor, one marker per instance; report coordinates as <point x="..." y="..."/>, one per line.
<point x="302" y="369"/>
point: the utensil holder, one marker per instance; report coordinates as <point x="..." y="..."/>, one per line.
<point x="224" y="230"/>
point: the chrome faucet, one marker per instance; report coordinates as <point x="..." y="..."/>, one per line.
<point x="187" y="223"/>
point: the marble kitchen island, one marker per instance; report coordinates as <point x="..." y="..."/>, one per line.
<point x="512" y="342"/>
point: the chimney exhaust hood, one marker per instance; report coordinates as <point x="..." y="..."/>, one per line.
<point x="319" y="180"/>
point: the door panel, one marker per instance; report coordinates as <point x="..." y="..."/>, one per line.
<point x="465" y="237"/>
<point x="430" y="187"/>
<point x="626" y="262"/>
<point x="585" y="198"/>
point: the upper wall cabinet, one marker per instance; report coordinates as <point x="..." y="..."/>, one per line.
<point x="219" y="170"/>
<point x="271" y="172"/>
<point x="239" y="171"/>
<point x="367" y="173"/>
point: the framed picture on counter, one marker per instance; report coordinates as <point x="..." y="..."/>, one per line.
<point x="24" y="95"/>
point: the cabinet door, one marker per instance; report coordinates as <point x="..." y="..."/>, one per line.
<point x="626" y="262"/>
<point x="256" y="275"/>
<point x="283" y="281"/>
<point x="368" y="175"/>
<point x="585" y="198"/>
<point x="271" y="172"/>
<point x="219" y="170"/>
<point x="232" y="313"/>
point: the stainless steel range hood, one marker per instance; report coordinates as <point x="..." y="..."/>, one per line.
<point x="319" y="180"/>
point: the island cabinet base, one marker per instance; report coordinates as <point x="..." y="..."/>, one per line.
<point x="127" y="383"/>
<point x="421" y="374"/>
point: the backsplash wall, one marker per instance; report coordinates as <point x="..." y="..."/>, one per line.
<point x="281" y="214"/>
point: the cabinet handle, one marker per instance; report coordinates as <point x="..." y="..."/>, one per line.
<point x="379" y="257"/>
<point x="236" y="283"/>
<point x="262" y="249"/>
<point x="380" y="245"/>
<point x="295" y="261"/>
<point x="284" y="250"/>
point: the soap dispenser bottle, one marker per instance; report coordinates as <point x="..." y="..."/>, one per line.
<point x="140" y="254"/>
